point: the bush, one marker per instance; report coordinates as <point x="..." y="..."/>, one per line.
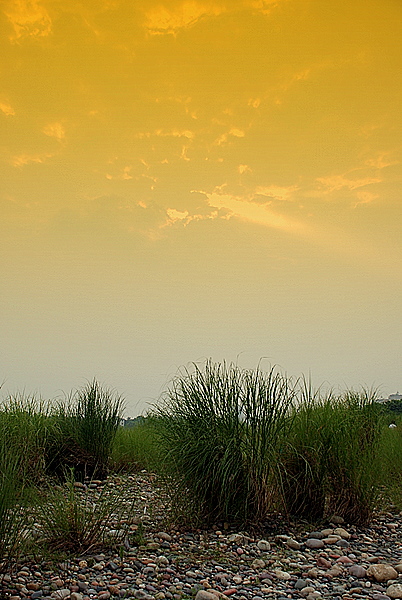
<point x="135" y="448"/>
<point x="71" y="521"/>
<point x="30" y="430"/>
<point x="329" y="465"/>
<point x="219" y="431"/>
<point x="87" y="425"/>
<point x="13" y="524"/>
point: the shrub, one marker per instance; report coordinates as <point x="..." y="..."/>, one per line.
<point x="135" y="448"/>
<point x="219" y="429"/>
<point x="13" y="524"/>
<point x="30" y="429"/>
<point x="71" y="521"/>
<point x="87" y="425"/>
<point x="329" y="462"/>
<point x="389" y="464"/>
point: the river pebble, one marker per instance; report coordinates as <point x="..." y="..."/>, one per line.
<point x="337" y="562"/>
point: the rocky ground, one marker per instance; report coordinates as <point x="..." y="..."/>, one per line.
<point x="338" y="562"/>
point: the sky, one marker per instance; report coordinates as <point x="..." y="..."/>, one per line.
<point x="183" y="180"/>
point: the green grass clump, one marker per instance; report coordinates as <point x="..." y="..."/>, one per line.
<point x="71" y="521"/>
<point x="329" y="461"/>
<point x="30" y="430"/>
<point x="218" y="431"/>
<point x="390" y="460"/>
<point x="13" y="523"/>
<point x="87" y="425"/>
<point x="135" y="448"/>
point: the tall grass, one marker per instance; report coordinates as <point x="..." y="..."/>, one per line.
<point x="219" y="430"/>
<point x="73" y="521"/>
<point x="389" y="464"/>
<point x="135" y="448"/>
<point x="329" y="461"/>
<point x="30" y="430"/>
<point x="13" y="524"/>
<point x="87" y="424"/>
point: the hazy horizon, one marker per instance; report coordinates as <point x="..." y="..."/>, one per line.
<point x="192" y="179"/>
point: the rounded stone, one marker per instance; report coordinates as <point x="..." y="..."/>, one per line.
<point x="282" y="575"/>
<point x="300" y="584"/>
<point x="357" y="571"/>
<point x="342" y="532"/>
<point x="293" y="544"/>
<point x="314" y="543"/>
<point x="382" y="572"/>
<point x="394" y="590"/>
<point x="264" y="546"/>
<point x="258" y="563"/>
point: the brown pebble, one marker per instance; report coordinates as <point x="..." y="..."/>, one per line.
<point x="323" y="563"/>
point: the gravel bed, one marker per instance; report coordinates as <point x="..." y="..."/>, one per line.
<point x="338" y="562"/>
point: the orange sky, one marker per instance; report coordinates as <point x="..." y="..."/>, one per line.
<point x="182" y="180"/>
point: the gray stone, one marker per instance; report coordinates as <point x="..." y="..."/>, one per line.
<point x="314" y="543"/>
<point x="342" y="532"/>
<point x="308" y="589"/>
<point x="357" y="571"/>
<point x="264" y="546"/>
<point x="60" y="594"/>
<point x="258" y="563"/>
<point x="204" y="595"/>
<point x="300" y="584"/>
<point x="394" y="590"/>
<point x="382" y="572"/>
<point x="317" y="535"/>
<point x="293" y="544"/>
<point x="140" y="594"/>
<point x="337" y="520"/>
<point x="282" y="575"/>
<point x="236" y="538"/>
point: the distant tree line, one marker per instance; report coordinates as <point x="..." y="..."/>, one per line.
<point x="130" y="422"/>
<point x="393" y="406"/>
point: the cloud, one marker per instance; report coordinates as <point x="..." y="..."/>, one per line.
<point x="55" y="130"/>
<point x="26" y="159"/>
<point x="254" y="102"/>
<point x="334" y="183"/>
<point x="263" y="6"/>
<point x="236" y="132"/>
<point x="224" y="138"/>
<point x="29" y="18"/>
<point x="7" y="109"/>
<point x="175" y="133"/>
<point x="290" y="81"/>
<point x="124" y="174"/>
<point x="178" y="133"/>
<point x="277" y="192"/>
<point x="244" y="169"/>
<point x="365" y="197"/>
<point x="170" y="19"/>
<point x="381" y="160"/>
<point x="177" y="215"/>
<point x="184" y="217"/>
<point x="247" y="210"/>
<point x="163" y="20"/>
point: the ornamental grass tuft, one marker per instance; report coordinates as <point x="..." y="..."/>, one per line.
<point x="219" y="430"/>
<point x="329" y="463"/>
<point x="87" y="423"/>
<point x="72" y="520"/>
